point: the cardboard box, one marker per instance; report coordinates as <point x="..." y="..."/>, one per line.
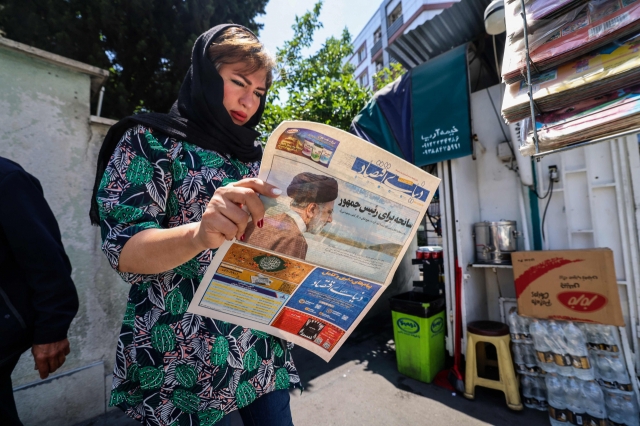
<point x="577" y="285"/>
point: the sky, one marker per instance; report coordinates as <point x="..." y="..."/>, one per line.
<point x="335" y="16"/>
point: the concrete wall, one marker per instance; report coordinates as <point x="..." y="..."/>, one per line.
<point x="45" y="125"/>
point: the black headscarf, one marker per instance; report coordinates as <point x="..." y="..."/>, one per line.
<point x="198" y="116"/>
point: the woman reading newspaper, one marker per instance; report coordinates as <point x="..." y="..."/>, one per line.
<point x="170" y="189"/>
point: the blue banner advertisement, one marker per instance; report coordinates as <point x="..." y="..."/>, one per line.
<point x="334" y="297"/>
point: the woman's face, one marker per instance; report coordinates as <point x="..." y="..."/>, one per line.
<point x="242" y="91"/>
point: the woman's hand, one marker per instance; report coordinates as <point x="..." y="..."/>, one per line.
<point x="157" y="250"/>
<point x="230" y="209"/>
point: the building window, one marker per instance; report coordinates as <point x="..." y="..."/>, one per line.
<point x="377" y="41"/>
<point x="394" y="15"/>
<point x="379" y="64"/>
<point x="364" y="79"/>
<point x="361" y="54"/>
<point x="377" y="35"/>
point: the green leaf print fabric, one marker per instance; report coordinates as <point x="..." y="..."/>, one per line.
<point x="174" y="367"/>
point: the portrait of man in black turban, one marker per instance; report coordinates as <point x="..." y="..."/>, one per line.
<point x="312" y="200"/>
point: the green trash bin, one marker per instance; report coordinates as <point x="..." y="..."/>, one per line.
<point x="419" y="330"/>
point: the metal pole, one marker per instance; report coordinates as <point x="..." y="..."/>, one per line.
<point x="528" y="63"/>
<point x="100" y="102"/>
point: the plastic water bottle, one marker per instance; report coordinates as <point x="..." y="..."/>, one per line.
<point x="575" y="402"/>
<point x="514" y="325"/>
<point x="622" y="408"/>
<point x="534" y="392"/>
<point x="604" y="371"/>
<point x="608" y="335"/>
<point x="557" y="400"/>
<point x="518" y="356"/>
<point x="577" y="349"/>
<point x="559" y="348"/>
<point x="618" y="371"/>
<point x="523" y="326"/>
<point x="593" y="360"/>
<point x="629" y="409"/>
<point x="527" y="384"/>
<point x="590" y="334"/>
<point x="539" y="392"/>
<point x="601" y="337"/>
<point x="594" y="401"/>
<point x="544" y="354"/>
<point x="529" y="357"/>
<point x="613" y="403"/>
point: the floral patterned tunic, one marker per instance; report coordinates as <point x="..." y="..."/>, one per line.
<point x="173" y="367"/>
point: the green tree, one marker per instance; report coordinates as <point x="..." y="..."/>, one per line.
<point x="388" y="75"/>
<point x="320" y="87"/>
<point x="145" y="44"/>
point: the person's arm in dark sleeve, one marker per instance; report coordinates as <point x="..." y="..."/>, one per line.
<point x="34" y="238"/>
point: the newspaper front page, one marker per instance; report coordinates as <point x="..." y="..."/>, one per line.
<point x="330" y="243"/>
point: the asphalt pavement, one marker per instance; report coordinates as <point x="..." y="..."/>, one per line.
<point x="361" y="386"/>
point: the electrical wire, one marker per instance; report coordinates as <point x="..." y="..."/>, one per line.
<point x="507" y="140"/>
<point x="495" y="57"/>
<point x="535" y="191"/>
<point x="544" y="215"/>
<point x="495" y="111"/>
<point x="513" y="154"/>
<point x="435" y="227"/>
<point x="475" y="87"/>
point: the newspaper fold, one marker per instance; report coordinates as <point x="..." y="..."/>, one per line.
<point x="330" y="243"/>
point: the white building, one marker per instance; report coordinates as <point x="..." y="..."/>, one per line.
<point x="392" y="19"/>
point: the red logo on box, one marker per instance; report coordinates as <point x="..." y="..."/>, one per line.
<point x="582" y="301"/>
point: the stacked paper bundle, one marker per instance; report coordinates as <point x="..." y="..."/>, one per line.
<point x="591" y="75"/>
<point x="585" y="70"/>
<point x="587" y="120"/>
<point x="583" y="28"/>
<point x="539" y="13"/>
<point x="550" y="9"/>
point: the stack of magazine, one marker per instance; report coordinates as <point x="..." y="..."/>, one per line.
<point x="591" y="75"/>
<point x="588" y="120"/>
<point x="585" y="77"/>
<point x="583" y="28"/>
<point x="539" y="13"/>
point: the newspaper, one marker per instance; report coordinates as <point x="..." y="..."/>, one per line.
<point x="330" y="243"/>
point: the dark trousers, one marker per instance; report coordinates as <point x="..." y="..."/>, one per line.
<point x="271" y="409"/>
<point x="8" y="412"/>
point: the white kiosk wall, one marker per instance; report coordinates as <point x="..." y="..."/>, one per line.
<point x="596" y="203"/>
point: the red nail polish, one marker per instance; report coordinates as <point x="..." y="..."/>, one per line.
<point x="242" y="237"/>
<point x="260" y="223"/>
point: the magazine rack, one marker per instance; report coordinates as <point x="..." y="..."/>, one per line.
<point x="534" y="108"/>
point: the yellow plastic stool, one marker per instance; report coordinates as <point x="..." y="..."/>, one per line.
<point x="497" y="334"/>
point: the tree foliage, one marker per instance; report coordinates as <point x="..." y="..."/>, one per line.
<point x="319" y="87"/>
<point x="145" y="44"/>
<point x="388" y="75"/>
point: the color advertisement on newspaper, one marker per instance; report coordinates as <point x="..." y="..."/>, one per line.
<point x="329" y="245"/>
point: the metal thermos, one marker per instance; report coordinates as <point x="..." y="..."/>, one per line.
<point x="495" y="241"/>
